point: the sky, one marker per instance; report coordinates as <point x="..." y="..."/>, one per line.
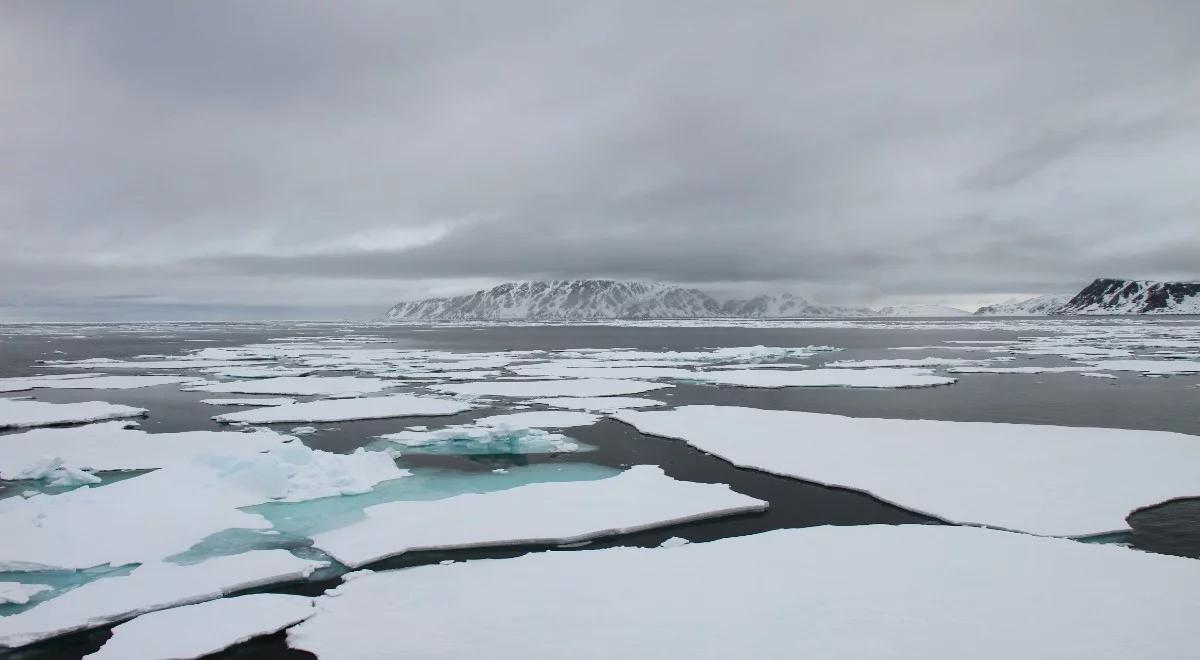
<point x="303" y="159"/>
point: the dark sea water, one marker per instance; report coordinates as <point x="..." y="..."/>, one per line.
<point x="1131" y="402"/>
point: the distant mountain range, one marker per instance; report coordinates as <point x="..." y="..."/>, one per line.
<point x="579" y="300"/>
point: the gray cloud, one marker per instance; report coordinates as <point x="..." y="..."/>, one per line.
<point x="221" y="158"/>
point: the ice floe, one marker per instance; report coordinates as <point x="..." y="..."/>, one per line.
<point x="120" y="446"/>
<point x="1148" y="366"/>
<point x="921" y="362"/>
<point x="24" y="413"/>
<point x="198" y="630"/>
<point x="468" y="440"/>
<point x="150" y="587"/>
<point x="839" y="593"/>
<point x="264" y="401"/>
<point x="1051" y="480"/>
<point x="299" y="385"/>
<point x="165" y="512"/>
<point x="91" y="382"/>
<point x="603" y="404"/>
<point x="19" y="593"/>
<point x="584" y="387"/>
<point x="885" y="377"/>
<point x="639" y="498"/>
<point x="541" y="419"/>
<point x="334" y="410"/>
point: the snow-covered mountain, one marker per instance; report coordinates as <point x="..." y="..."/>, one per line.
<point x="605" y="299"/>
<point x="1114" y="296"/>
<point x="920" y="310"/>
<point x="1036" y="306"/>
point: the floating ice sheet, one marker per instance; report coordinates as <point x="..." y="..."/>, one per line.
<point x="920" y="362"/>
<point x="19" y="593"/>
<point x="148" y="588"/>
<point x="639" y="498"/>
<point x="584" y="387"/>
<point x="198" y="630"/>
<point x="1052" y="480"/>
<point x="23" y="413"/>
<point x="299" y="385"/>
<point x="539" y="419"/>
<point x="882" y="378"/>
<point x="91" y="382"/>
<point x="376" y="407"/>
<point x="603" y="404"/>
<point x="838" y="593"/>
<point x="262" y="401"/>
<point x="470" y="440"/>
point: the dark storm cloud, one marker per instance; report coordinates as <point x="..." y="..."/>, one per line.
<point x="307" y="155"/>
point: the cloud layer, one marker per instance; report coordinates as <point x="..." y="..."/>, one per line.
<point x="324" y="159"/>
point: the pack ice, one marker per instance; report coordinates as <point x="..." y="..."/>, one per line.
<point x="1051" y="480"/>
<point x="16" y="413"/>
<point x="336" y="410"/>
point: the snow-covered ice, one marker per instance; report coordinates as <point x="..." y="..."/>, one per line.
<point x="884" y="377"/>
<point x="838" y="593"/>
<point x="583" y="387"/>
<point x="639" y="498"/>
<point x="91" y="382"/>
<point x="165" y="512"/>
<point x="539" y="419"/>
<point x="19" y="593"/>
<point x="602" y="404"/>
<point x="299" y="386"/>
<point x="24" y="413"/>
<point x="336" y="410"/>
<point x="197" y="630"/>
<point x="263" y="401"/>
<point x="921" y="362"/>
<point x="150" y="587"/>
<point x="120" y="446"/>
<point x="1149" y="366"/>
<point x="1052" y="480"/>
<point x="465" y="439"/>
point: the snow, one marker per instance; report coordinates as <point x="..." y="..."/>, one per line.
<point x="1020" y="370"/>
<point x="1051" y="480"/>
<point x="335" y="410"/>
<point x="148" y="588"/>
<point x="118" y="446"/>
<point x="24" y="413"/>
<point x="1148" y="366"/>
<point x="598" y="404"/>
<point x="197" y="630"/>
<point x="1096" y="375"/>
<point x="886" y="377"/>
<point x="584" y="387"/>
<point x="165" y="512"/>
<point x="299" y="385"/>
<point x="556" y="370"/>
<point x="19" y="593"/>
<point x="470" y="440"/>
<point x="922" y="362"/>
<point x="90" y="382"/>
<point x="836" y="593"/>
<point x="53" y="470"/>
<point x="264" y="401"/>
<point x="920" y="311"/>
<point x="258" y="372"/>
<point x="171" y="363"/>
<point x="642" y="497"/>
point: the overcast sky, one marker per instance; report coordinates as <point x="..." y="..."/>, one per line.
<point x="325" y="159"/>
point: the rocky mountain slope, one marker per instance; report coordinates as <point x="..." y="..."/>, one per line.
<point x="1116" y="296"/>
<point x="1036" y="306"/>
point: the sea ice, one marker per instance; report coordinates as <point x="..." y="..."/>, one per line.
<point x="336" y="410"/>
<point x="19" y="593"/>
<point x="485" y="440"/>
<point x="884" y="377"/>
<point x="299" y="385"/>
<point x="837" y="593"/>
<point x="584" y="387"/>
<point x="150" y="587"/>
<point x="23" y="413"/>
<point x="1051" y="480"/>
<point x="263" y="401"/>
<point x="639" y="498"/>
<point x="921" y="362"/>
<point x="1148" y="366"/>
<point x="258" y="372"/>
<point x="539" y="419"/>
<point x="602" y="404"/>
<point x="91" y="382"/>
<point x="198" y="630"/>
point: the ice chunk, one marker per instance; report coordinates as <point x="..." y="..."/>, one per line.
<point x="584" y="387"/>
<point x="52" y="470"/>
<point x="484" y="440"/>
<point x="197" y="630"/>
<point x="1149" y="366"/>
<point x="639" y="498"/>
<point x="259" y="372"/>
<point x="118" y="446"/>
<point x="841" y="593"/>
<point x="376" y="407"/>
<point x="19" y="593"/>
<point x="922" y="362"/>
<point x="299" y="385"/>
<point x="885" y="377"/>
<point x="148" y="588"/>
<point x="598" y="404"/>
<point x="1052" y="480"/>
<point x="23" y="413"/>
<point x="538" y="419"/>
